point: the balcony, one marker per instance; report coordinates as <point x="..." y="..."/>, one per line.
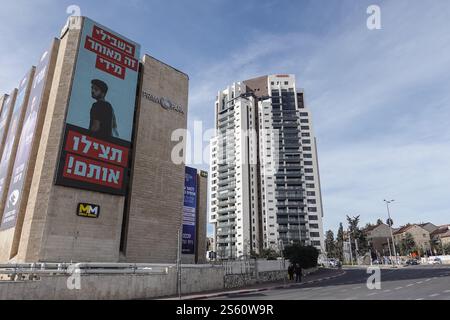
<point x="226" y="181"/>
<point x="228" y="202"/>
<point x="226" y="195"/>
<point x="290" y="195"/>
<point x="226" y="233"/>
<point x="226" y="210"/>
<point x="226" y="240"/>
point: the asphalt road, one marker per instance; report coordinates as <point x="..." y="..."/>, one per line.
<point x="409" y="283"/>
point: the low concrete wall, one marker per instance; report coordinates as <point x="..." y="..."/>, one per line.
<point x="117" y="287"/>
<point x="195" y="279"/>
<point x="242" y="280"/>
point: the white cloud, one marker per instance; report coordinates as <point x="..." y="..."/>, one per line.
<point x="380" y="102"/>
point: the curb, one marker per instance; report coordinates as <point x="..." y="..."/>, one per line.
<point x="284" y="286"/>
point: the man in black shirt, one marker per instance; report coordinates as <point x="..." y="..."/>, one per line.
<point x="103" y="120"/>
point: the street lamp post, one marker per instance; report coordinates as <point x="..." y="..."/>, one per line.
<point x="390" y="227"/>
<point x="282" y="264"/>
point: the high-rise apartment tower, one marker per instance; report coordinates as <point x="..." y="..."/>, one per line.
<point x="265" y="182"/>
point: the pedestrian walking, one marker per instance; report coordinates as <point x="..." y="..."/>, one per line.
<point x="298" y="273"/>
<point x="291" y="271"/>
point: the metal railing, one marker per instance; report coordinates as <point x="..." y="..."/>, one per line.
<point x="19" y="270"/>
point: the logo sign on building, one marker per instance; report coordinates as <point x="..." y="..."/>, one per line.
<point x="21" y="163"/>
<point x="88" y="210"/>
<point x="11" y="144"/>
<point x="99" y="123"/>
<point x="189" y="211"/>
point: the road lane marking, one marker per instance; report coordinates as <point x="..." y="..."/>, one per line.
<point x="387" y="290"/>
<point x="356" y="288"/>
<point x="434" y="295"/>
<point x="419" y="282"/>
<point x="427" y="280"/>
<point x="420" y="299"/>
<point x="398" y="288"/>
<point x="410" y="285"/>
<point x="372" y="294"/>
<point x="446" y="291"/>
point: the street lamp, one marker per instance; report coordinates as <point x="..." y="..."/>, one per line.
<point x="390" y="227"/>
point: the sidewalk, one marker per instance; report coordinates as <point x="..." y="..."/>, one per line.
<point x="381" y="266"/>
<point x="320" y="275"/>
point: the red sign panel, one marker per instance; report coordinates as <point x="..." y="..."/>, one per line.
<point x="95" y="172"/>
<point x="113" y="53"/>
<point x="113" y="41"/>
<point x="96" y="149"/>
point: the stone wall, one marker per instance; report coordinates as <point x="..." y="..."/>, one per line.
<point x="117" y="286"/>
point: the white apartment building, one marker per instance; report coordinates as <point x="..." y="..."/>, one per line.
<point x="265" y="183"/>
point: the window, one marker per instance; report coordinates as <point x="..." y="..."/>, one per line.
<point x="309" y="178"/>
<point x="303" y="114"/>
<point x="304" y="127"/>
<point x="286" y="83"/>
<point x="306" y="148"/>
<point x="308" y="163"/>
<point x="315" y="243"/>
<point x="305" y="134"/>
<point x="304" y="121"/>
<point x="314" y="234"/>
<point x="312" y="209"/>
<point x="312" y="201"/>
<point x="313" y="218"/>
<point x="311" y="193"/>
<point x="309" y="170"/>
<point x="314" y="226"/>
<point x="307" y="155"/>
<point x="306" y="141"/>
<point x="310" y="185"/>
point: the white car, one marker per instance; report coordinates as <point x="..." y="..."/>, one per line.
<point x="435" y="261"/>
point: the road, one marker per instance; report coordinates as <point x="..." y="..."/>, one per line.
<point x="409" y="283"/>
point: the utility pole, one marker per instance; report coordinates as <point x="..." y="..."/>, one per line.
<point x="390" y="227"/>
<point x="179" y="263"/>
<point x="350" y="245"/>
<point x="390" y="252"/>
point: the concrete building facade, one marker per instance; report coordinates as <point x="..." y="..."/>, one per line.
<point x="78" y="221"/>
<point x="265" y="182"/>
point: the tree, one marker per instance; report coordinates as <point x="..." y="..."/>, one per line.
<point x="305" y="256"/>
<point x="379" y="221"/>
<point x="330" y="245"/>
<point x="357" y="234"/>
<point x="269" y="254"/>
<point x="407" y="245"/>
<point x="368" y="226"/>
<point x="339" y="249"/>
<point x="446" y="248"/>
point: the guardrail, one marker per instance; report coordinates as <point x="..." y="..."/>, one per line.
<point x="34" y="270"/>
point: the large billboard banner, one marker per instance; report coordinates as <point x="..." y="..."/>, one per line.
<point x="100" y="114"/>
<point x="189" y="211"/>
<point x="21" y="163"/>
<point x="6" y="111"/>
<point x="14" y="130"/>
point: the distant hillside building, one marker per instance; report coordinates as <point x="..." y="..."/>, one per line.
<point x="420" y="235"/>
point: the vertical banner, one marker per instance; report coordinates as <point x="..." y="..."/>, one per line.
<point x="189" y="211"/>
<point x="99" y="122"/>
<point x="5" y="115"/>
<point x="21" y="163"/>
<point x="2" y="102"/>
<point x="13" y="132"/>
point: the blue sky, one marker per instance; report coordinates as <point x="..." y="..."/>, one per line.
<point x="380" y="99"/>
